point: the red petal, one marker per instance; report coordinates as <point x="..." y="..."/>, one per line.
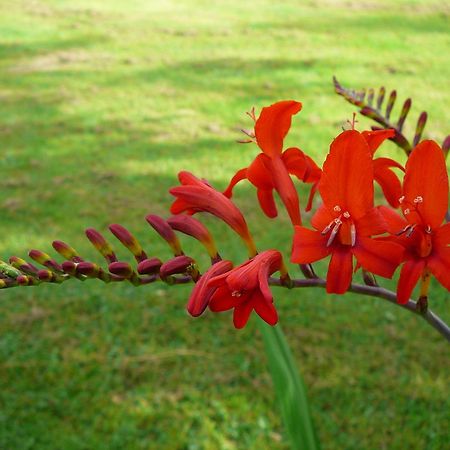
<point x="322" y="217"/>
<point x="442" y="235"/>
<point x="426" y="177"/>
<point x="267" y="202"/>
<point x="266" y="311"/>
<point x="347" y="177"/>
<point x="378" y="256"/>
<point x="439" y="264"/>
<point x="340" y="271"/>
<point x="242" y="313"/>
<point x="222" y="300"/>
<point x="308" y="246"/>
<point x="371" y="223"/>
<point x="394" y="222"/>
<point x="273" y="124"/>
<point x="201" y="294"/>
<point x="295" y="162"/>
<point x="312" y="192"/>
<point x="238" y="176"/>
<point x="375" y="138"/>
<point x="409" y="276"/>
<point x="286" y="190"/>
<point x="388" y="180"/>
<point x="259" y="173"/>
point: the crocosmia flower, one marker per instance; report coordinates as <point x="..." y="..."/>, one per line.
<point x="347" y="220"/>
<point x="195" y="195"/>
<point x="424" y="204"/>
<point x="246" y="288"/>
<point x="272" y="168"/>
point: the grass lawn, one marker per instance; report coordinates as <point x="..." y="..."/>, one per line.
<point x="101" y="103"/>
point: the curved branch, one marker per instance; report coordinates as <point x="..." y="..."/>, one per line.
<point x="375" y="291"/>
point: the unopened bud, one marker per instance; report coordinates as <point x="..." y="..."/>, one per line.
<point x="149" y="266"/>
<point x="122" y="269"/>
<point x="192" y="227"/>
<point x="101" y="245"/>
<point x="166" y="232"/>
<point x="69" y="267"/>
<point x="128" y="240"/>
<point x="177" y="265"/>
<point x="66" y="251"/>
<point x="23" y="265"/>
<point x="89" y="269"/>
<point x="45" y="260"/>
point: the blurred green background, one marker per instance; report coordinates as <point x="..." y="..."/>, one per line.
<point x="101" y="103"/>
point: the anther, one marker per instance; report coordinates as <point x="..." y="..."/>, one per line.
<point x="353" y="234"/>
<point x="406" y="211"/>
<point x="404" y="230"/>
<point x="346" y="214"/>
<point x="334" y="232"/>
<point x="428" y="229"/>
<point x="400" y="200"/>
<point x="418" y="199"/>
<point x="236" y="293"/>
<point x="410" y="231"/>
<point x="337" y="208"/>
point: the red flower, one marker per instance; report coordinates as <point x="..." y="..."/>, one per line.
<point x="271" y="169"/>
<point x="246" y="288"/>
<point x="198" y="196"/>
<point x="347" y="219"/>
<point x="424" y="205"/>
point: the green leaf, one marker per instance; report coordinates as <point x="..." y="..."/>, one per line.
<point x="289" y="388"/>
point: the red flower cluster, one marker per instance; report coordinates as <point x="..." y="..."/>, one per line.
<point x="347" y="226"/>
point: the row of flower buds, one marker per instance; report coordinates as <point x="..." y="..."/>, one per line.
<point x="179" y="269"/>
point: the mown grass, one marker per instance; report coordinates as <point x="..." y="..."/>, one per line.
<point x="101" y="104"/>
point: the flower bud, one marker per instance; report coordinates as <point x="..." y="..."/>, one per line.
<point x="149" y="266"/>
<point x="177" y="265"/>
<point x="128" y="240"/>
<point x="166" y="232"/>
<point x="193" y="227"/>
<point x="101" y="245"/>
<point x="45" y="260"/>
<point x="23" y="265"/>
<point x="66" y="251"/>
<point x="122" y="269"/>
<point x="89" y="269"/>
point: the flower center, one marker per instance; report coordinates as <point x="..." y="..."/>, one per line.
<point x="342" y="228"/>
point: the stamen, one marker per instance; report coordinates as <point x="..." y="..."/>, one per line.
<point x="428" y="229"/>
<point x="403" y="231"/>
<point x="328" y="227"/>
<point x="418" y="199"/>
<point x="406" y="211"/>
<point x="410" y="231"/>
<point x="337" y="208"/>
<point x="346" y="214"/>
<point x="400" y="200"/>
<point x="353" y="234"/>
<point x="334" y="233"/>
<point x="236" y="294"/>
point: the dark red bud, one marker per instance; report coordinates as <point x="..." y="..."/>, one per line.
<point x="179" y="264"/>
<point x="166" y="232"/>
<point x="122" y="269"/>
<point x="149" y="266"/>
<point x="128" y="240"/>
<point x="66" y="251"/>
<point x="87" y="268"/>
<point x="101" y="245"/>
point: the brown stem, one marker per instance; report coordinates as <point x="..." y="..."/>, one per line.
<point x="376" y="291"/>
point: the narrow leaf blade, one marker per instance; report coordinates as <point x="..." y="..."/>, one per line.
<point x="289" y="388"/>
